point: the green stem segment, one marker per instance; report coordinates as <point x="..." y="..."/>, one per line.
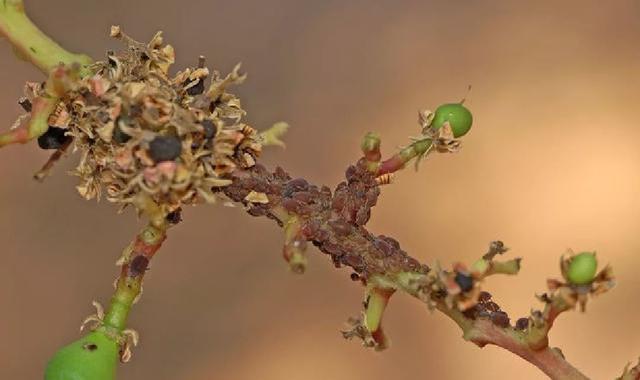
<point x="538" y="335"/>
<point x="375" y="305"/>
<point x="30" y="43"/>
<point x="135" y="260"/>
<point x="399" y="160"/>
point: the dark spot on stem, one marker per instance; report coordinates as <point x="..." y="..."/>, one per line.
<point x="138" y="266"/>
<point x="90" y="346"/>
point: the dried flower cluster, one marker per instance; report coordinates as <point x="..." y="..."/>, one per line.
<point x="141" y="132"/>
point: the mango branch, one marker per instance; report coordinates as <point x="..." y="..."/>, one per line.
<point x="335" y="223"/>
<point x="30" y="43"/>
<point x="157" y="142"/>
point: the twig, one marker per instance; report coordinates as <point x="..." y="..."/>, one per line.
<point x="30" y="43"/>
<point x="335" y="224"/>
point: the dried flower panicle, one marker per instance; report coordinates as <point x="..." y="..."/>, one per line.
<point x="140" y="131"/>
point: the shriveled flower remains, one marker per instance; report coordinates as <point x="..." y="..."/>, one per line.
<point x="140" y="132"/>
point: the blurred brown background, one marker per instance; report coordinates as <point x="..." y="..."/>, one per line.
<point x="552" y="163"/>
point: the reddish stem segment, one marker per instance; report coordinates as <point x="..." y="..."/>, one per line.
<point x="134" y="263"/>
<point x="36" y="126"/>
<point x="400" y="159"/>
<point x="483" y="332"/>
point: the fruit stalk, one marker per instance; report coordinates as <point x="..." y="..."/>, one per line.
<point x="134" y="263"/>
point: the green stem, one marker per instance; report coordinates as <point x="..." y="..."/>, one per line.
<point x="399" y="160"/>
<point x="30" y="43"/>
<point x="134" y="261"/>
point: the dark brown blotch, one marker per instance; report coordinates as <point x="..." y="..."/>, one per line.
<point x="138" y="266"/>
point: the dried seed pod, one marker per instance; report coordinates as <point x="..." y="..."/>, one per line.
<point x="165" y="148"/>
<point x="53" y="138"/>
<point x="210" y="129"/>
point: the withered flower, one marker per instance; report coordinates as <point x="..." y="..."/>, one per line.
<point x="141" y="132"/>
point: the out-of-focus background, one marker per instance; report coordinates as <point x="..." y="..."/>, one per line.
<point x="551" y="163"/>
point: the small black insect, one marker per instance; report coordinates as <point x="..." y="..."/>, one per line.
<point x="196" y="89"/>
<point x="210" y="129"/>
<point x="165" y="148"/>
<point x="465" y="282"/>
<point x="25" y="104"/>
<point x="522" y="323"/>
<point x="53" y="138"/>
<point x="174" y="217"/>
<point x="138" y="266"/>
<point x="90" y="346"/>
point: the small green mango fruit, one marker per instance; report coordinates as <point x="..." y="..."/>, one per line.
<point x="92" y="357"/>
<point x="582" y="268"/>
<point x="458" y="116"/>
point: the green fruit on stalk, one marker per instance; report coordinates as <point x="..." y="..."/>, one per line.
<point x="92" y="357"/>
<point x="582" y="268"/>
<point x="458" y="117"/>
